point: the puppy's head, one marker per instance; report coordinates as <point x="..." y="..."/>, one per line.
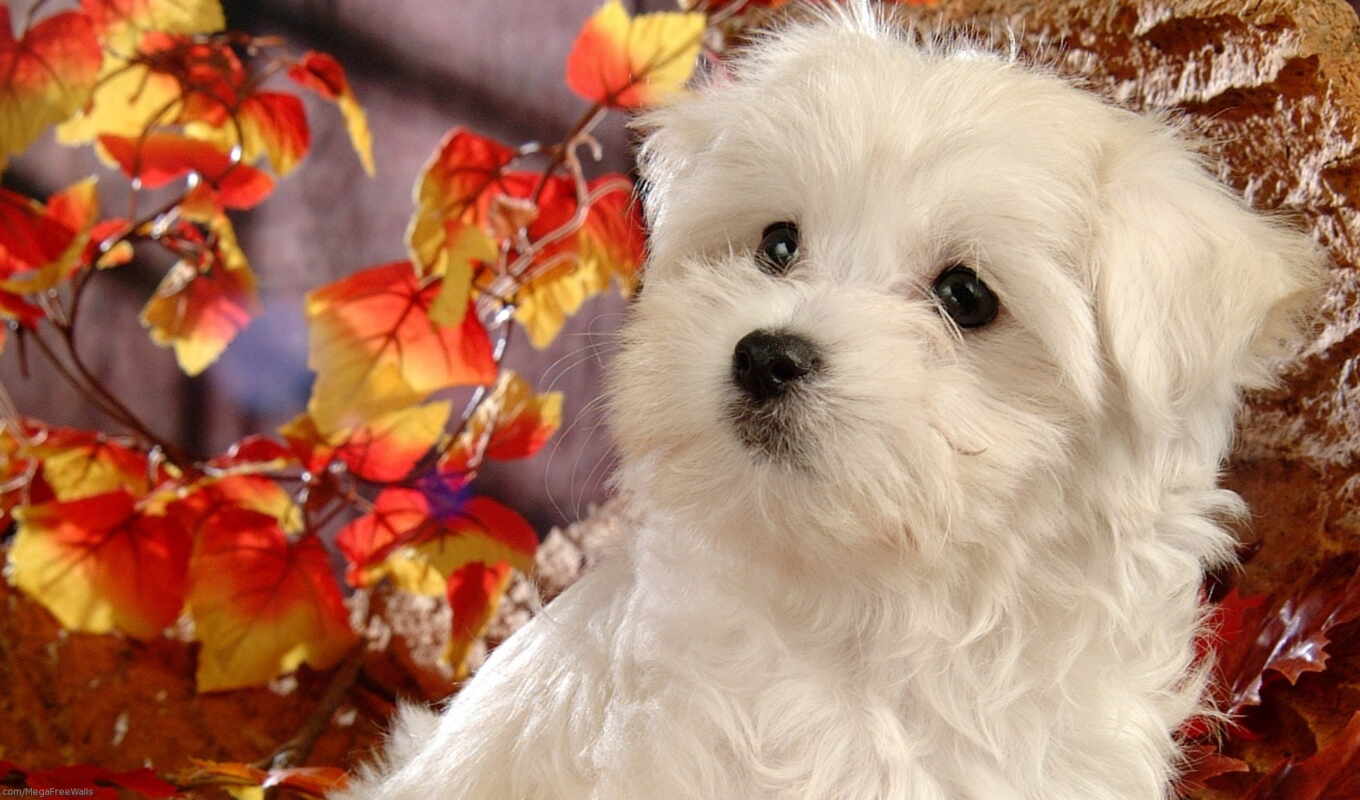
<point x="894" y="288"/>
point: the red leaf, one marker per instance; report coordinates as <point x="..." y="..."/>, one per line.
<point x="280" y="124"/>
<point x="1287" y="634"/>
<point x="44" y="76"/>
<point x="376" y="350"/>
<point x="98" y="782"/>
<point x="324" y="75"/>
<point x="163" y="157"/>
<point x="31" y="238"/>
<point x="262" y="604"/>
<point x="474" y="591"/>
<point x="99" y="564"/>
<point x="421" y="536"/>
<point x="321" y="73"/>
<point x="1332" y="773"/>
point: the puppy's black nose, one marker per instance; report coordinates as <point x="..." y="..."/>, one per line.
<point x="765" y="363"/>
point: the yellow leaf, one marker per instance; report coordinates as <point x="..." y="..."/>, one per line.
<point x="199" y="308"/>
<point x="514" y="422"/>
<point x="262" y="605"/>
<point x="631" y="62"/>
<point x="375" y="349"/>
<point x="469" y="244"/>
<point x="44" y="76"/>
<point x="122" y="105"/>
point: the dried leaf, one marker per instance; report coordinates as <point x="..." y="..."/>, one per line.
<point x="1287" y="634"/>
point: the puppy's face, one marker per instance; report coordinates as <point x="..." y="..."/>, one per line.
<point x="891" y="289"/>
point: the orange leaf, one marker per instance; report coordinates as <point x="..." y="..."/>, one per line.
<point x="375" y="349"/>
<point x="474" y="592"/>
<point x="116" y="17"/>
<point x="41" y="246"/>
<point x="382" y="450"/>
<point x="465" y="171"/>
<point x="324" y="75"/>
<point x="607" y="249"/>
<point x="163" y="157"/>
<point x="213" y="495"/>
<point x="199" y="308"/>
<point x="421" y="537"/>
<point x="99" y="565"/>
<point x="308" y="443"/>
<point x="262" y="605"/>
<point x="78" y="464"/>
<point x="512" y="422"/>
<point x="626" y="62"/>
<point x="315" y="782"/>
<point x="47" y="75"/>
<point x="270" y="124"/>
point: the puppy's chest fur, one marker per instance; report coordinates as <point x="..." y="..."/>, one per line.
<point x="709" y="687"/>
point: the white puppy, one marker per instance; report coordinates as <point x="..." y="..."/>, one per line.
<point x="923" y="406"/>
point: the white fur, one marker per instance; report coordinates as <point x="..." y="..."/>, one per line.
<point x="976" y="575"/>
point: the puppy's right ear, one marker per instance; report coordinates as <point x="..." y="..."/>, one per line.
<point x="674" y="137"/>
<point x="1199" y="297"/>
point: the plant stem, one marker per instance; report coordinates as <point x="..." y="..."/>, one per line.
<point x="298" y="749"/>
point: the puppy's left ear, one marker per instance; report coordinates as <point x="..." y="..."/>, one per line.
<point x="674" y="136"/>
<point x="1198" y="296"/>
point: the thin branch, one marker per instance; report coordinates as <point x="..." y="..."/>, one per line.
<point x="298" y="749"/>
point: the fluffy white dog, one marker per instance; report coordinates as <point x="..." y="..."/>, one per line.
<point x="923" y="406"/>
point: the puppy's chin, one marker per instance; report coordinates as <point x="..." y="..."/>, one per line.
<point x="770" y="431"/>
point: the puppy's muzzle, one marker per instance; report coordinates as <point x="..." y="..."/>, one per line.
<point x="766" y="364"/>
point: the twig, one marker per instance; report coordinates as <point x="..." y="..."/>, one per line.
<point x="298" y="749"/>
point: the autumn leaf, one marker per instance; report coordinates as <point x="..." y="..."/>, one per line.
<point x="87" y="780"/>
<point x="161" y="158"/>
<point x="271" y="124"/>
<point x="78" y="464"/>
<point x="118" y="22"/>
<point x="198" y="308"/>
<point x="608" y="249"/>
<point x="1332" y="773"/>
<point x="467" y="247"/>
<point x="376" y="350"/>
<point x="314" y="782"/>
<point x="261" y="604"/>
<point x="152" y="71"/>
<point x="252" y="454"/>
<point x="419" y="537"/>
<point x="464" y="172"/>
<point x="383" y="450"/>
<point x="98" y="564"/>
<point x="41" y="245"/>
<point x="48" y="74"/>
<point x="474" y="592"/>
<point x="629" y="62"/>
<point x="1288" y="633"/>
<point x="215" y="494"/>
<point x="512" y="422"/>
<point x="323" y="74"/>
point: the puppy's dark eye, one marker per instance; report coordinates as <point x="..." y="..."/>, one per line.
<point x="965" y="298"/>
<point x="778" y="247"/>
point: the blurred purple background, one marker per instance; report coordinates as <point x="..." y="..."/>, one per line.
<point x="419" y="67"/>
